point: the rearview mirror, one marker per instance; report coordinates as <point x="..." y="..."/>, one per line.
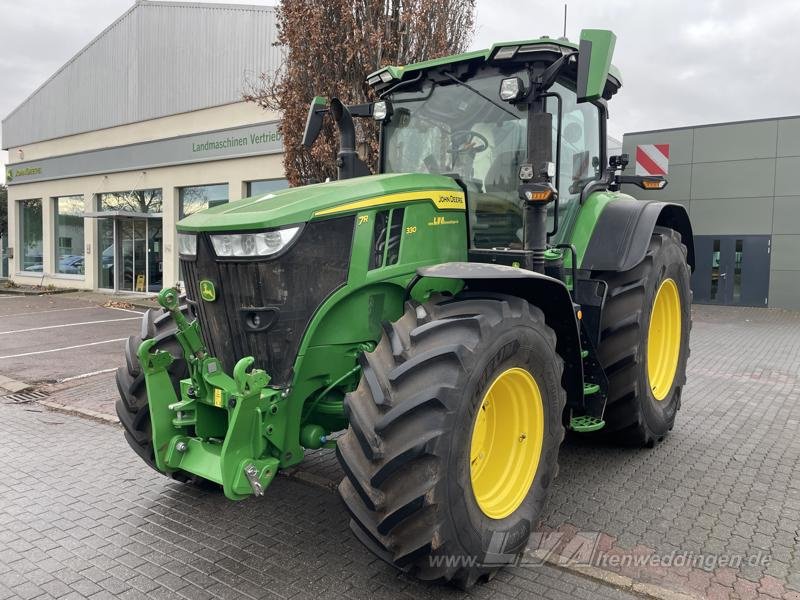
<point x="319" y="106"/>
<point x="594" y="60"/>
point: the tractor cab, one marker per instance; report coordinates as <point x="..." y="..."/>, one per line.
<point x="518" y="121"/>
<point x="468" y="117"/>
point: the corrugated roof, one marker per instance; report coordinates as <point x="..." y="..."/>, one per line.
<point x="157" y="59"/>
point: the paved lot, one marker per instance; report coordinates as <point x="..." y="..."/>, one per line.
<point x="714" y="510"/>
<point x="80" y="516"/>
<point x="49" y="338"/>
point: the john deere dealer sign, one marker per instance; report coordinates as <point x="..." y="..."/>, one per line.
<point x="249" y="140"/>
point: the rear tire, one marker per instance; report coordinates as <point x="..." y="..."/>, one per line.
<point x="634" y="416"/>
<point x="407" y="454"/>
<point x="132" y="407"/>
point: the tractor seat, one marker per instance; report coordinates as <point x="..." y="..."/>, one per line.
<point x="502" y="174"/>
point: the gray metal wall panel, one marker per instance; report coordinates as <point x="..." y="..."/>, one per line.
<point x="678" y="178"/>
<point x="680" y="145"/>
<point x="735" y="142"/>
<point x="784" y="289"/>
<point x="785" y="253"/>
<point x="786" y="218"/>
<point x="732" y="216"/>
<point x="733" y="179"/>
<point x="789" y="137"/>
<point x="786" y="177"/>
<point x="156" y="60"/>
<point x="757" y="195"/>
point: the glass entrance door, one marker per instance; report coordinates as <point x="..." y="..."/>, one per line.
<point x="107" y="248"/>
<point x="131" y="254"/>
<point x="131" y="263"/>
<point x="155" y="259"/>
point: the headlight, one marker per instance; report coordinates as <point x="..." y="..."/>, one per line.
<point x="381" y="110"/>
<point x="187" y="244"/>
<point x="511" y="89"/>
<point x="506" y="52"/>
<point x="253" y="244"/>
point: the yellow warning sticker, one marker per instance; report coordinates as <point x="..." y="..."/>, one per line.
<point x="218" y="397"/>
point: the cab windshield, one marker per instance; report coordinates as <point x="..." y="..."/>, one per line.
<point x="450" y="129"/>
<point x="471" y="134"/>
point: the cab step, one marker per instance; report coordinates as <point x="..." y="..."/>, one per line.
<point x="586" y="424"/>
<point x="590" y="388"/>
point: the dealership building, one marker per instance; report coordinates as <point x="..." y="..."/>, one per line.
<point x="146" y="124"/>
<point x="737" y="181"/>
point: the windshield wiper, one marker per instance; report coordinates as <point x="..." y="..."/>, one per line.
<point x="481" y="94"/>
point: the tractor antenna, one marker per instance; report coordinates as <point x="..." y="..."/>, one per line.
<point x="565" y="20"/>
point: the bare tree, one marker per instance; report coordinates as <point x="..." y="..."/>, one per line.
<point x="331" y="46"/>
<point x="139" y="201"/>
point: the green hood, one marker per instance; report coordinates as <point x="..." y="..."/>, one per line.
<point x="298" y="205"/>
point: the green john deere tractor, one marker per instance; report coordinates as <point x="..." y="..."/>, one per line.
<point x="453" y="315"/>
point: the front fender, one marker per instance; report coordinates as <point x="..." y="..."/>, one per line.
<point x="622" y="233"/>
<point x="547" y="293"/>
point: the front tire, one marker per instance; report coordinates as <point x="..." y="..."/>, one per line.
<point x="415" y="487"/>
<point x="132" y="406"/>
<point x="644" y="342"/>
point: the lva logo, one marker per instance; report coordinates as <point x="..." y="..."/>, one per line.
<point x="442" y="221"/>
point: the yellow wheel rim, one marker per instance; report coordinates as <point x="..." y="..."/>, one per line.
<point x="507" y="440"/>
<point x="664" y="339"/>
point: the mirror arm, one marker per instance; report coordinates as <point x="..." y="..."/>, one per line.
<point x="551" y="73"/>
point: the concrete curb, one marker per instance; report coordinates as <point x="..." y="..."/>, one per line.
<point x="85" y="413"/>
<point x="297" y="474"/>
<point x="102" y="299"/>
<point x="611" y="579"/>
<point x="12" y="386"/>
<point x="21" y="291"/>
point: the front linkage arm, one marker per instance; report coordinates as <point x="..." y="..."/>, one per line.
<point x="224" y="429"/>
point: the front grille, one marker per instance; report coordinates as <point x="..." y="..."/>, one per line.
<point x="285" y="291"/>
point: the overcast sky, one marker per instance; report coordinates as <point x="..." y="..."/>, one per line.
<point x="683" y="62"/>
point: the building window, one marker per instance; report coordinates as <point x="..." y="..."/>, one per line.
<point x="31" y="228"/>
<point x="265" y="186"/>
<point x="195" y="198"/>
<point x="69" y="234"/>
<point x="137" y="201"/>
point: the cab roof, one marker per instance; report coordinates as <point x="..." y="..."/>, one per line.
<point x="393" y="74"/>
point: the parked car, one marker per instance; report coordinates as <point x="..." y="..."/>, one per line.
<point x="71" y="265"/>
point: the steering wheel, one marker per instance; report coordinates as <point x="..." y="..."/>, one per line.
<point x="461" y="141"/>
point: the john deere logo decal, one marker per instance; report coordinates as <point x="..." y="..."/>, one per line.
<point x="207" y="291"/>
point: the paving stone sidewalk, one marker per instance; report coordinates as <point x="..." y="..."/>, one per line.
<point x="82" y="517"/>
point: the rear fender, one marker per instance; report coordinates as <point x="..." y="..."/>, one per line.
<point x="547" y="293"/>
<point x="622" y="233"/>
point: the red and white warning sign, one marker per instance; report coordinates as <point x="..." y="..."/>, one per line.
<point x="652" y="159"/>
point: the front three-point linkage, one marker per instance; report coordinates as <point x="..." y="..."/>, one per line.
<point x="212" y="430"/>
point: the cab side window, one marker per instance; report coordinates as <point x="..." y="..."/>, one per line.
<point x="580" y="149"/>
